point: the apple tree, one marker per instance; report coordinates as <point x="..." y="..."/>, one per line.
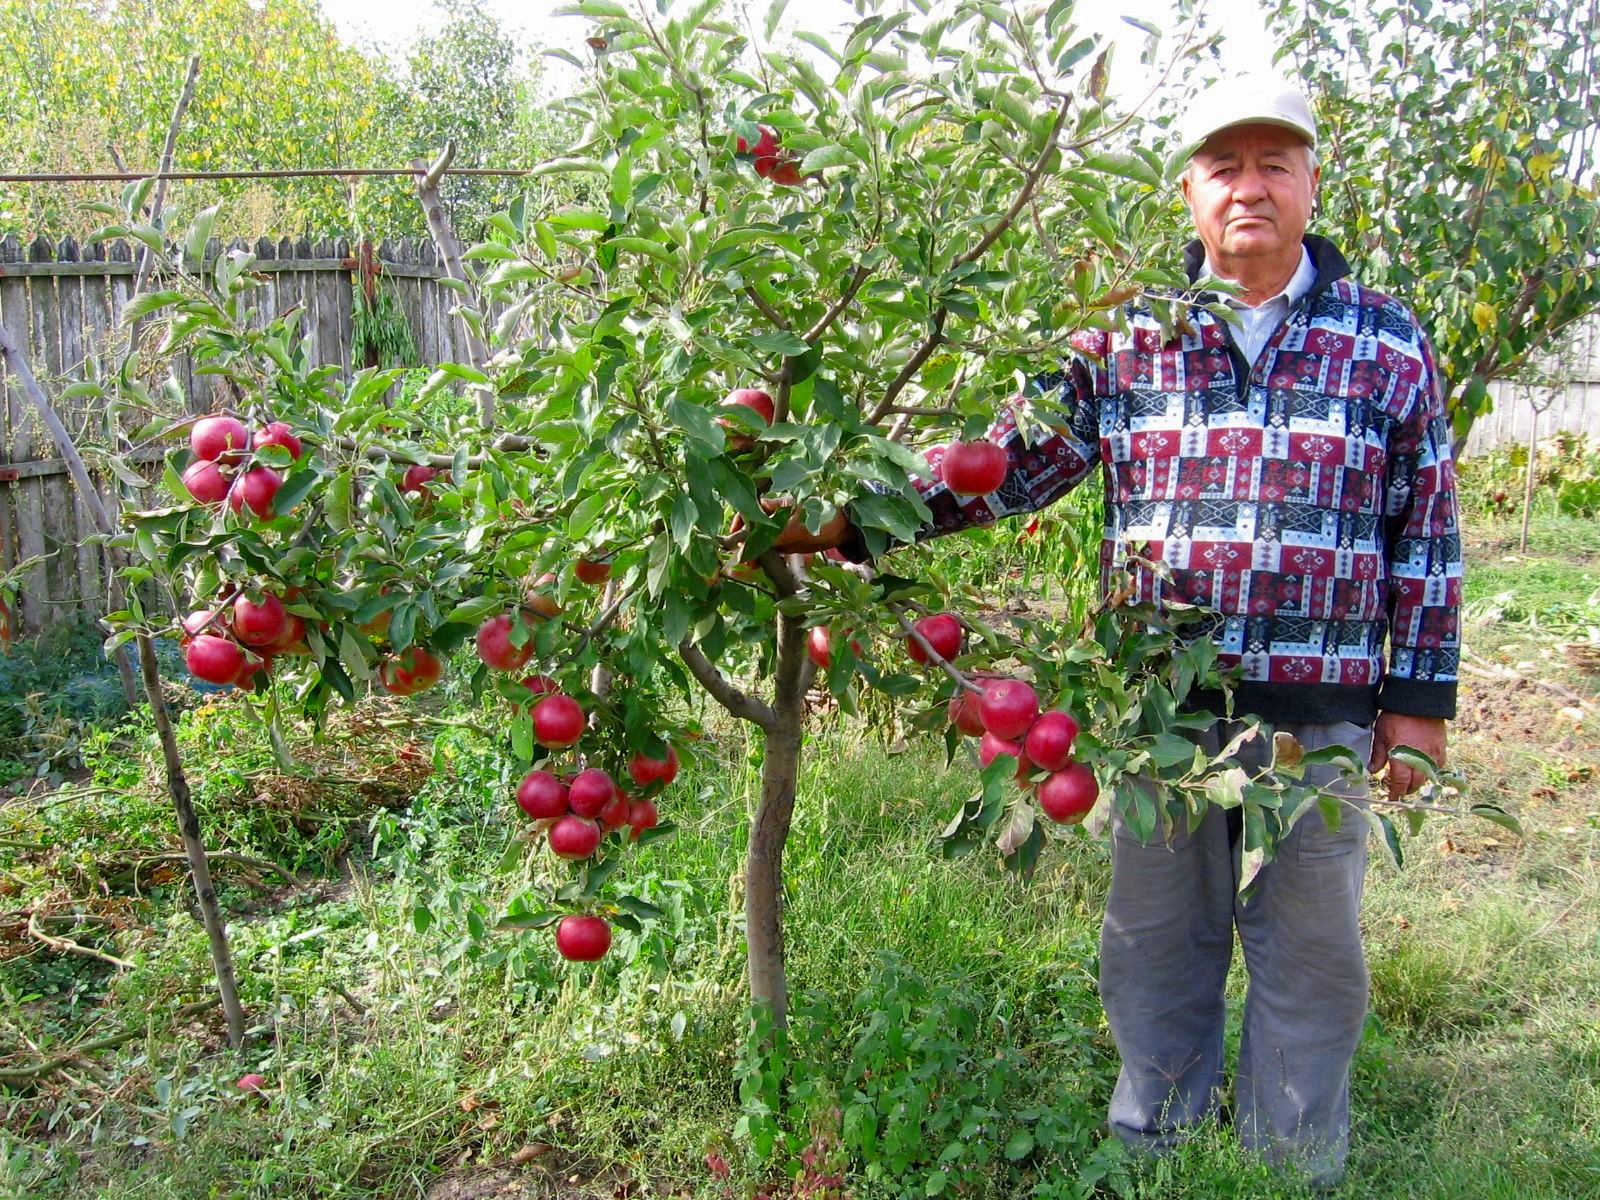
<point x="1460" y="168"/>
<point x="782" y="297"/>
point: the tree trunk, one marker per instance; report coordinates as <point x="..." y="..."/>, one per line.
<point x="194" y="848"/>
<point x="780" y="773"/>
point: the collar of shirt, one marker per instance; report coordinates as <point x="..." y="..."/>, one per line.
<point x="1299" y="284"/>
<point x="1257" y="323"/>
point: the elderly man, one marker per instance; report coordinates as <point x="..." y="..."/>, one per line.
<point x="1292" y="468"/>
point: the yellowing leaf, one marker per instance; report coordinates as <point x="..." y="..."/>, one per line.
<point x="1483" y="316"/>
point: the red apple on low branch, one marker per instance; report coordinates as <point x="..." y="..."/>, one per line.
<point x="942" y="632"/>
<point x="255" y="489"/>
<point x="495" y="648"/>
<point x="1068" y="794"/>
<point x="557" y="722"/>
<point x="583" y="938"/>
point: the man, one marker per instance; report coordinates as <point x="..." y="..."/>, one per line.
<point x="1293" y="470"/>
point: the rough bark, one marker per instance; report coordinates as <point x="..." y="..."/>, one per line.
<point x="763" y="903"/>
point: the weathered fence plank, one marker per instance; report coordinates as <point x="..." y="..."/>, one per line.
<point x="64" y="301"/>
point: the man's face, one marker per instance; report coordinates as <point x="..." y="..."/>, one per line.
<point x="1249" y="190"/>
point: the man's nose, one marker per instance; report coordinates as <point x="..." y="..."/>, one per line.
<point x="1249" y="186"/>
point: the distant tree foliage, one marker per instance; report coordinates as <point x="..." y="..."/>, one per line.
<point x="1460" y="168"/>
<point x="277" y="89"/>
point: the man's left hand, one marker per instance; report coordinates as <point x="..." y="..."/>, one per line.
<point x="1420" y="733"/>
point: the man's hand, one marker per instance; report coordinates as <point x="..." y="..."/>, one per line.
<point x="797" y="539"/>
<point x="1420" y="733"/>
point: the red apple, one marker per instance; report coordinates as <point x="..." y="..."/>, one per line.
<point x="259" y="623"/>
<point x="756" y="401"/>
<point x="642" y="815"/>
<point x="495" y="648"/>
<point x="293" y="640"/>
<point x="1009" y="707"/>
<point x="1049" y="741"/>
<point x="538" y="600"/>
<point x="206" y="483"/>
<point x="278" y="433"/>
<point x="942" y="632"/>
<point x="574" y="837"/>
<point x="199" y="622"/>
<point x="541" y="795"/>
<point x="557" y="722"/>
<point x="583" y="938"/>
<point x="590" y="792"/>
<point x="415" y="669"/>
<point x="1068" y="794"/>
<point x="539" y="685"/>
<point x="965" y="714"/>
<point x="219" y="439"/>
<point x="256" y="488"/>
<point x="615" y="814"/>
<point x="591" y="571"/>
<point x="973" y="468"/>
<point x="819" y="646"/>
<point x="417" y="478"/>
<point x="253" y="667"/>
<point x="787" y="172"/>
<point x="765" y="151"/>
<point x="644" y="770"/>
<point x="214" y="659"/>
<point x="991" y="747"/>
<point x="251" y="1083"/>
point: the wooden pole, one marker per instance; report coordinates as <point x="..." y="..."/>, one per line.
<point x="444" y="237"/>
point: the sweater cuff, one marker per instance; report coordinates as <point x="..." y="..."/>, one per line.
<point x="854" y="546"/>
<point x="1414" y="698"/>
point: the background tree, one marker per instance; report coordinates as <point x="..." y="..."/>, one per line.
<point x="91" y="84"/>
<point x="1460" y="167"/>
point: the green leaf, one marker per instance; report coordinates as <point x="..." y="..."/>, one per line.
<point x="1020" y="1145"/>
<point x="642" y="909"/>
<point x="474" y="609"/>
<point x="151" y="302"/>
<point x="779" y="341"/>
<point x="1498" y="816"/>
<point x="830" y="155"/>
<point x="538" y="920"/>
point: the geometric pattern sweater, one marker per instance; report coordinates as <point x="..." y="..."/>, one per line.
<point x="1308" y="500"/>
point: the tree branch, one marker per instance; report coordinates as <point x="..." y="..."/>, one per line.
<point x="766" y="310"/>
<point x="159" y="200"/>
<point x="825" y="322"/>
<point x="1030" y="181"/>
<point x="746" y="708"/>
<point x="933" y="655"/>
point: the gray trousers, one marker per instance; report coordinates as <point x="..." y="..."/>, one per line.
<point x="1165" y="949"/>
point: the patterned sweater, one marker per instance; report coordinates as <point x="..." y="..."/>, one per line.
<point x="1308" y="498"/>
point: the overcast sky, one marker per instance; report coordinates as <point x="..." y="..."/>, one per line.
<point x="393" y="23"/>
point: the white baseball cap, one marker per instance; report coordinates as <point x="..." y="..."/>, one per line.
<point x="1248" y="100"/>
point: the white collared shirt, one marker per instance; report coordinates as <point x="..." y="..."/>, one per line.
<point x="1256" y="324"/>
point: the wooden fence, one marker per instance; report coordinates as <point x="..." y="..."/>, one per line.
<point x="1570" y="396"/>
<point x="64" y="302"/>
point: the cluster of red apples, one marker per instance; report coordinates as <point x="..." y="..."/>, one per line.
<point x="234" y="644"/>
<point x="1005" y="715"/>
<point x="219" y="472"/>
<point x="771" y="160"/>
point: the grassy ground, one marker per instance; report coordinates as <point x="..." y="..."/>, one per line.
<point x="948" y="1038"/>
